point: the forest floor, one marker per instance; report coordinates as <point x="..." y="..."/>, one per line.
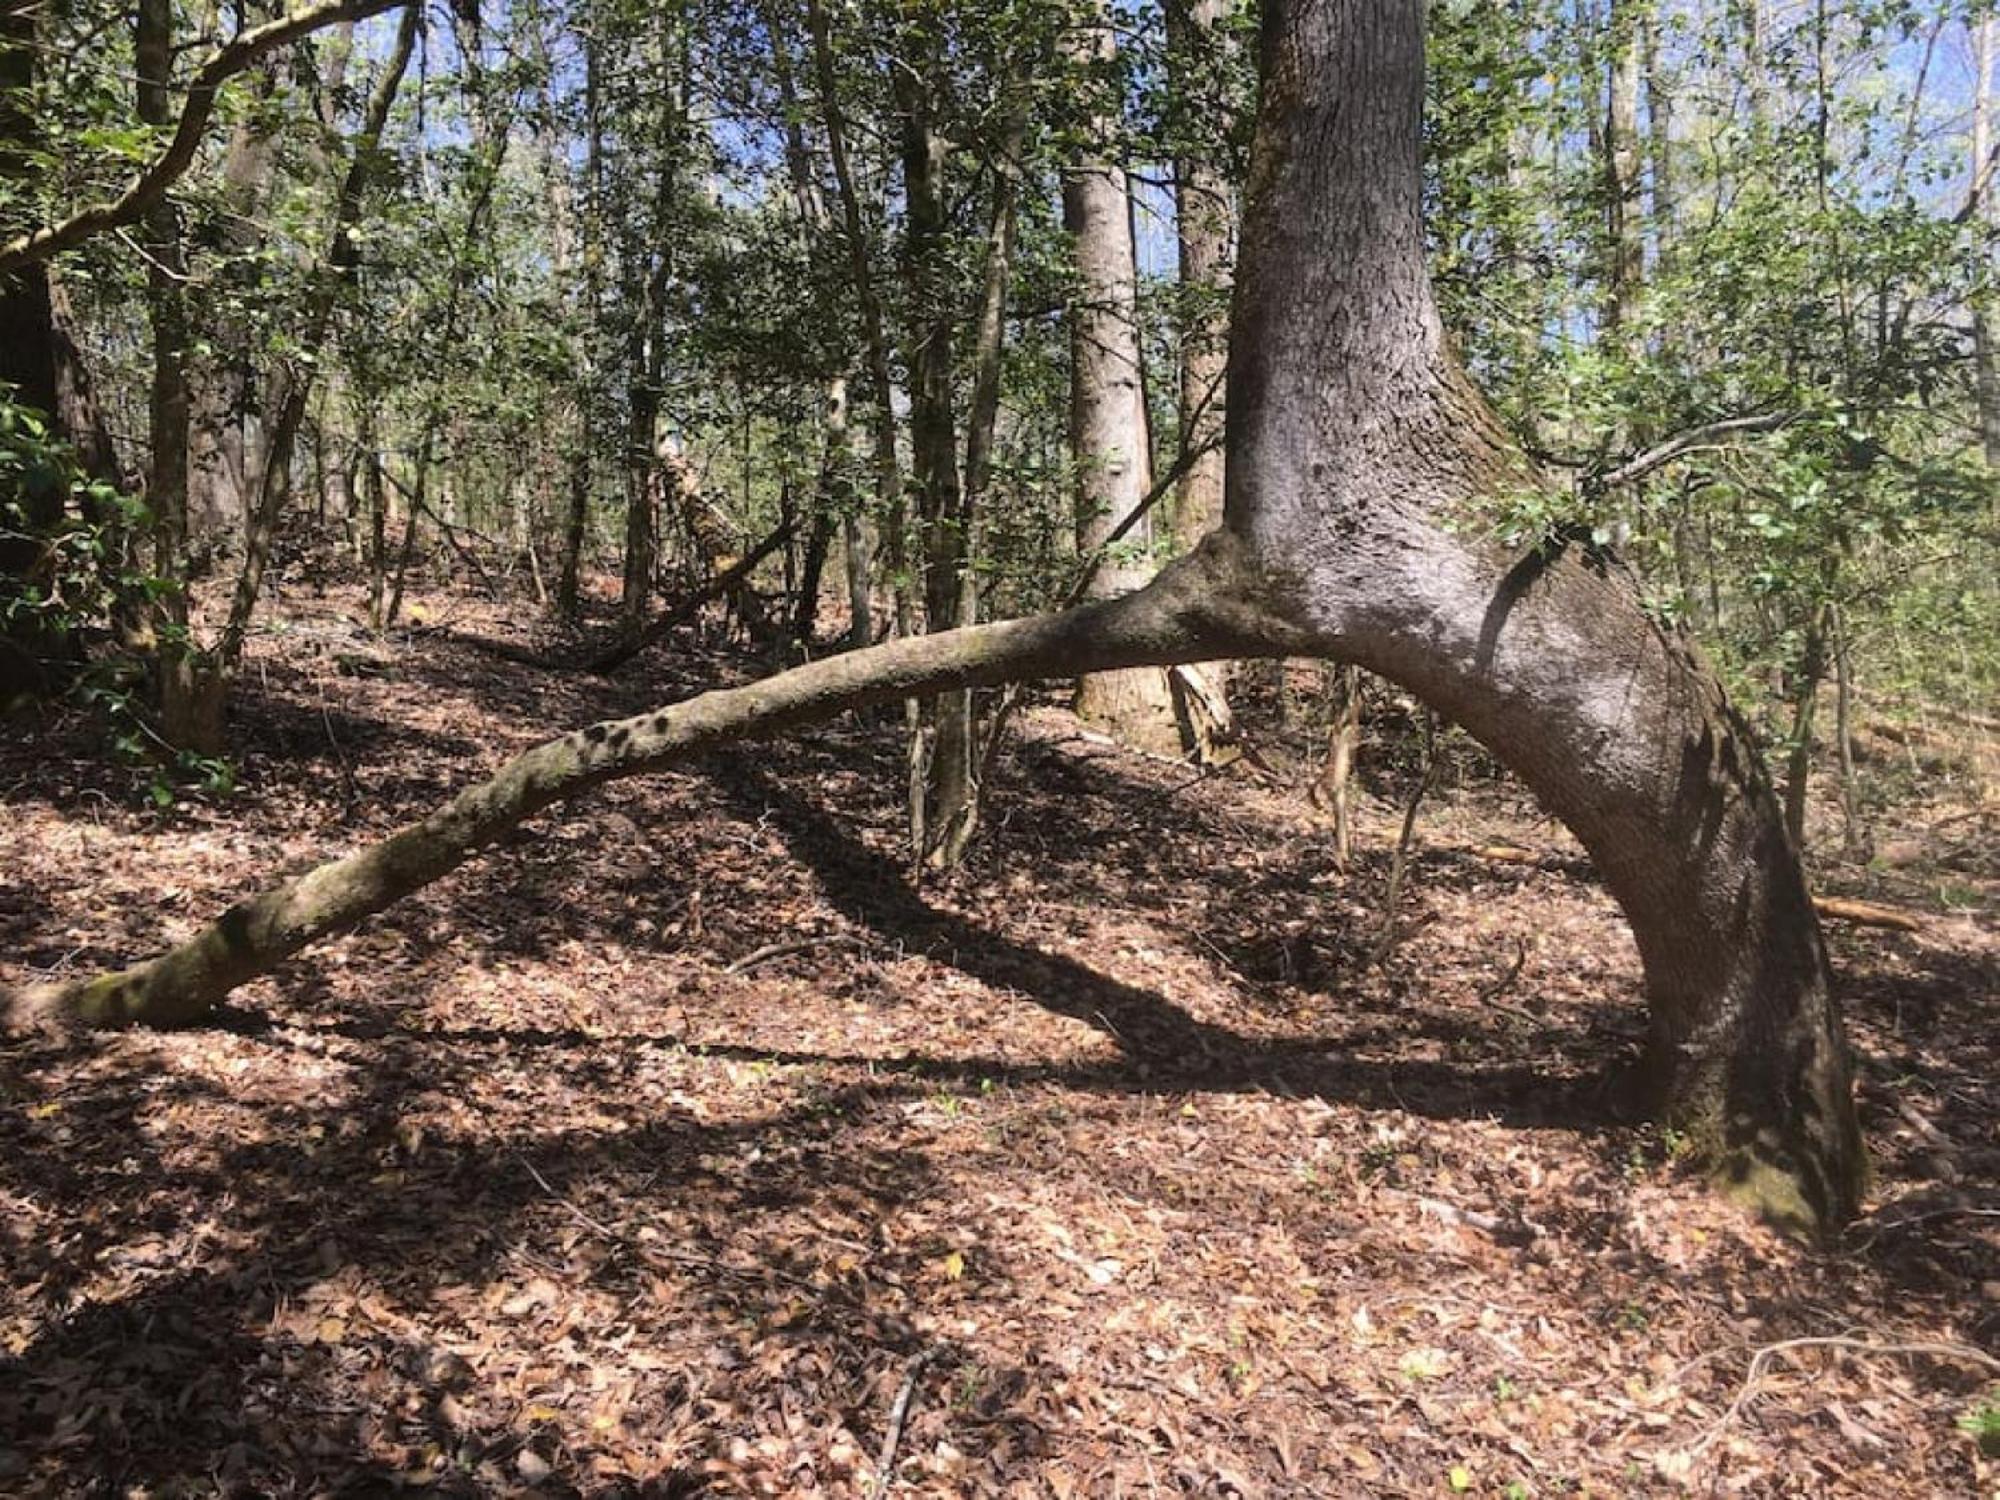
<point x="1108" y="1165"/>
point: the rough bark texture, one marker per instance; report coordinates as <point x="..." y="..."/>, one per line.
<point x="1352" y="436"/>
<point x="1108" y="424"/>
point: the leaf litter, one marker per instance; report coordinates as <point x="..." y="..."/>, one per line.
<point x="1106" y="1165"/>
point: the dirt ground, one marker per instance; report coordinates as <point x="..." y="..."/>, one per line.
<point x="1108" y="1166"/>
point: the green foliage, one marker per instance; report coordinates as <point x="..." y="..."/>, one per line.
<point x="1982" y="1423"/>
<point x="64" y="529"/>
<point x="1805" y="263"/>
<point x="63" y="608"/>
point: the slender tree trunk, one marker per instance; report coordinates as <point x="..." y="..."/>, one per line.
<point x="589" y="396"/>
<point x="1659" y="125"/>
<point x="835" y="497"/>
<point x="1854" y="831"/>
<point x="294" y="381"/>
<point x="1356" y="444"/>
<point x="1204" y="216"/>
<point x="1623" y="188"/>
<point x="941" y="779"/>
<point x="874" y="333"/>
<point x="955" y="787"/>
<point x="1805" y="705"/>
<point x="648" y="258"/>
<point x="1985" y="320"/>
<point x="225" y="436"/>
<point x="1109" y="432"/>
<point x="189" y="714"/>
<point x="377" y="499"/>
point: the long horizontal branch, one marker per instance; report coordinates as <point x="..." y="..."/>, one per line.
<point x="1160" y="625"/>
<point x="165" y="170"/>
<point x="1703" y="436"/>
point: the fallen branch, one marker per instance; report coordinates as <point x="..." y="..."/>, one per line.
<point x="152" y="184"/>
<point x="1519" y="1231"/>
<point x="899" y="1414"/>
<point x="1910" y="1221"/>
<point x="1164" y="623"/>
<point x="1962" y="1353"/>
<point x="1866" y="914"/>
<point x="772" y="951"/>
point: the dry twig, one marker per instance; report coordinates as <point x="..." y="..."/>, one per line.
<point x="772" y="951"/>
<point x="899" y="1415"/>
<point x="1963" y="1353"/>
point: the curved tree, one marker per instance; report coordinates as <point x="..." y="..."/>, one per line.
<point x="1357" y="451"/>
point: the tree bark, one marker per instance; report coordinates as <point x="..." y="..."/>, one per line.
<point x="1624" y="227"/>
<point x="183" y="711"/>
<point x="1985" y="323"/>
<point x="1109" y="431"/>
<point x="1204" y="216"/>
<point x="224" y="438"/>
<point x="874" y="334"/>
<point x="1202" y="220"/>
<point x="1353" y="436"/>
<point x="1354" y="440"/>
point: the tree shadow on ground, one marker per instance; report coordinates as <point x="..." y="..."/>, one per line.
<point x="1162" y="1047"/>
<point x="231" y="1357"/>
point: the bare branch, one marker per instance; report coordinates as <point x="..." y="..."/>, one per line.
<point x="1706" y="435"/>
<point x="150" y="185"/>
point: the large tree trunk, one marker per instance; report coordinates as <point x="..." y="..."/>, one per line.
<point x="1109" y="431"/>
<point x="1354" y="439"/>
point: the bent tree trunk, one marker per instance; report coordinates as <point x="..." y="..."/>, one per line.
<point x="1353" y="440"/>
